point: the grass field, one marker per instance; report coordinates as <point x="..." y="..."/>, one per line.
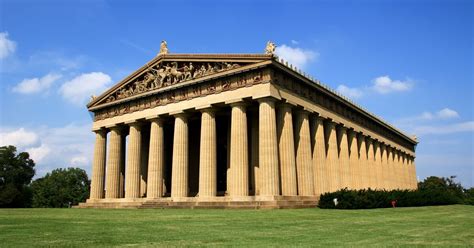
<point x="441" y="226"/>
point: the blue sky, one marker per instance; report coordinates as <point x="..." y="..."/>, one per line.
<point x="409" y="62"/>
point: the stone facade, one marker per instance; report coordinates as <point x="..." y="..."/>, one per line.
<point x="245" y="130"/>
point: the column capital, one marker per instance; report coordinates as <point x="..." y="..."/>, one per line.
<point x="179" y="114"/>
<point x="302" y="112"/>
<point x="351" y="133"/>
<point x="116" y="128"/>
<point x="341" y="128"/>
<point x="267" y="99"/>
<point x="134" y="123"/>
<point x="320" y="119"/>
<point x="238" y="104"/>
<point x="100" y="131"/>
<point x="285" y="105"/>
<point x="330" y="123"/>
<point x="206" y="108"/>
<point x="157" y="119"/>
<point x="235" y="102"/>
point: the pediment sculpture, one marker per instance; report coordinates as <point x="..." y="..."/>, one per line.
<point x="169" y="73"/>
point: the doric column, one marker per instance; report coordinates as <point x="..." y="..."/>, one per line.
<point x="144" y="157"/>
<point x="319" y="158"/>
<point x="378" y="166"/>
<point x="396" y="164"/>
<point x="132" y="170"/>
<point x="254" y="157"/>
<point x="287" y="150"/>
<point x="383" y="166"/>
<point x="332" y="159"/>
<point x="391" y="169"/>
<point x="409" y="178"/>
<point x="239" y="164"/>
<point x="304" y="168"/>
<point x="208" y="154"/>
<point x="388" y="168"/>
<point x="404" y="170"/>
<point x="343" y="158"/>
<point x="354" y="170"/>
<point x="122" y="165"/>
<point x="98" y="166"/>
<point x="156" y="160"/>
<point x="229" y="170"/>
<point x="409" y="174"/>
<point x="413" y="174"/>
<point x="179" y="172"/>
<point x="372" y="175"/>
<point x="268" y="148"/>
<point x="363" y="163"/>
<point x="113" y="164"/>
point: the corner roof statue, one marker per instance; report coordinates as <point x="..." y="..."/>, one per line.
<point x="163" y="48"/>
<point x="270" y="48"/>
<point x="216" y="130"/>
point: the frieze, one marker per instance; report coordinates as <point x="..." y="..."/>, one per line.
<point x="185" y="93"/>
<point x="309" y="92"/>
<point x="168" y="73"/>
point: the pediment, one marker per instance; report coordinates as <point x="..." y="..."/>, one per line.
<point x="172" y="70"/>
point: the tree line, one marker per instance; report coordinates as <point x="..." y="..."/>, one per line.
<point x="58" y="188"/>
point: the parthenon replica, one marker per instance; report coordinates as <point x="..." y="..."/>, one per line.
<point x="236" y="131"/>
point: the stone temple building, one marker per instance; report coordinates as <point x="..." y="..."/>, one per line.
<point x="236" y="130"/>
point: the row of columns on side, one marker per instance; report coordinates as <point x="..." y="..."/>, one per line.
<point x="290" y="152"/>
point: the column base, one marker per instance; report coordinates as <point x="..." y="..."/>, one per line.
<point x="238" y="202"/>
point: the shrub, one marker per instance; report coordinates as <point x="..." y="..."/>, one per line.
<point x="432" y="191"/>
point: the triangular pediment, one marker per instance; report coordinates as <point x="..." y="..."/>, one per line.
<point x="166" y="71"/>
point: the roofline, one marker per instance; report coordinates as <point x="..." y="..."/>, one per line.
<point x="326" y="89"/>
<point x="258" y="56"/>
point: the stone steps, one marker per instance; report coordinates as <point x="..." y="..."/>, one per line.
<point x="278" y="202"/>
<point x="231" y="204"/>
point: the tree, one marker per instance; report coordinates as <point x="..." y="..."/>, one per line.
<point x="469" y="196"/>
<point x="16" y="172"/>
<point x="61" y="188"/>
<point x="443" y="184"/>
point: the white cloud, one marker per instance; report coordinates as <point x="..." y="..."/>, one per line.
<point x="35" y="85"/>
<point x="435" y="123"/>
<point x="353" y="93"/>
<point x="385" y="84"/>
<point x="447" y="113"/>
<point x="79" y="161"/>
<point x="51" y="148"/>
<point x="425" y="116"/>
<point x="38" y="153"/>
<point x="7" y="47"/>
<point x="79" y="89"/>
<point x="19" y="138"/>
<point x="297" y="56"/>
<point x="445" y="129"/>
<point x="443" y="114"/>
<point x="294" y="42"/>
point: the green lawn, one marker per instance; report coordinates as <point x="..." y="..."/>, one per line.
<point x="441" y="226"/>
